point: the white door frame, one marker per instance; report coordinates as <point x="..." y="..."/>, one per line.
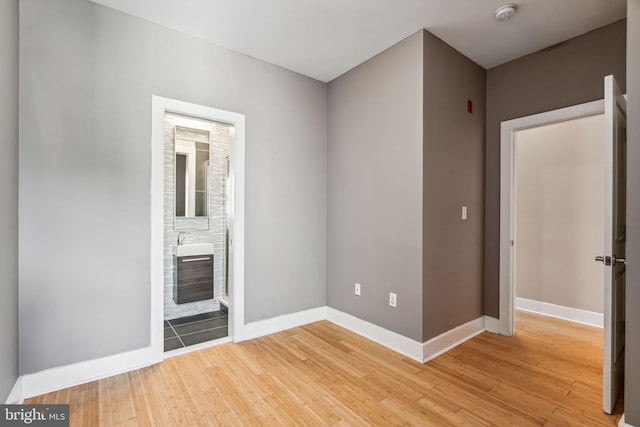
<point x="160" y="106"/>
<point x="507" y="199"/>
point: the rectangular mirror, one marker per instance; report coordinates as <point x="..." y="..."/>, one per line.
<point x="191" y="172"/>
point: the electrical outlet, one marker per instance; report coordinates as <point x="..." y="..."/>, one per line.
<point x="393" y="299"/>
<point x="358" y="289"/>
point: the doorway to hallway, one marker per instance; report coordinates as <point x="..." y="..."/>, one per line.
<point x="612" y="253"/>
<point x="559" y="219"/>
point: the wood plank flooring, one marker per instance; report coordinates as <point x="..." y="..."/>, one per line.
<point x="320" y="374"/>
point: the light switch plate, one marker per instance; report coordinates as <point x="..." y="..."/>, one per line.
<point x="393" y="299"/>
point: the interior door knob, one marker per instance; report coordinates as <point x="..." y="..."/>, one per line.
<point x="606" y="260"/>
<point x="610" y="260"/>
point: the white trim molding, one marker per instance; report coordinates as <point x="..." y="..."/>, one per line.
<point x="452" y="338"/>
<point x="576" y="315"/>
<point x="622" y="422"/>
<point x="385" y="337"/>
<point x="16" y="396"/>
<point x="276" y="324"/>
<point x="50" y="380"/>
<point x="83" y="372"/>
<point x="491" y="324"/>
<point x="59" y="378"/>
<point x="507" y="181"/>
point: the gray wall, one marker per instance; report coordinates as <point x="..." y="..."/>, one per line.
<point x="632" y="368"/>
<point x="375" y="189"/>
<point x="563" y="75"/>
<point x="86" y="79"/>
<point x="8" y="196"/>
<point x="452" y="177"/>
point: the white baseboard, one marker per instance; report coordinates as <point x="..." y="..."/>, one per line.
<point x="389" y="339"/>
<point x="452" y="338"/>
<point x="16" y="397"/>
<point x="622" y="423"/>
<point x="54" y="379"/>
<point x="83" y="372"/>
<point x="74" y="374"/>
<point x="561" y="312"/>
<point x="491" y="324"/>
<point x="280" y="323"/>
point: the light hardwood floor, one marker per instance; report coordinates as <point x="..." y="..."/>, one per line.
<point x="320" y="374"/>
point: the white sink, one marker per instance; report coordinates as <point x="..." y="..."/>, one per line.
<point x="194" y="249"/>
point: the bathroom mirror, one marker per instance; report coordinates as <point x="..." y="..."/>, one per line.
<point x="191" y="173"/>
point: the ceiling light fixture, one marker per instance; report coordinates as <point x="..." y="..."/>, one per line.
<point x="505" y="12"/>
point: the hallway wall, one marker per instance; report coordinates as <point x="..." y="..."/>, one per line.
<point x="559" y="213"/>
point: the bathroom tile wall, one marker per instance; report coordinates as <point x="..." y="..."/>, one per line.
<point x="200" y="230"/>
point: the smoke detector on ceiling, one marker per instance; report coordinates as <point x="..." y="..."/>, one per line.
<point x="505" y="12"/>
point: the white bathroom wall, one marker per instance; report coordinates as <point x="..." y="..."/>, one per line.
<point x="560" y="213"/>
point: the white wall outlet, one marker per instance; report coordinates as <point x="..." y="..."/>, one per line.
<point x="464" y="213"/>
<point x="358" y="289"/>
<point x="393" y="299"/>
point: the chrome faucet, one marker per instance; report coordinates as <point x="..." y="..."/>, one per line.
<point x="181" y="236"/>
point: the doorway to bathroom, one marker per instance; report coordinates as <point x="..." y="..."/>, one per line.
<point x="197" y="221"/>
<point x="197" y="227"/>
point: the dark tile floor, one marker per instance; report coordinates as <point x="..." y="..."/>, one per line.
<point x="195" y="329"/>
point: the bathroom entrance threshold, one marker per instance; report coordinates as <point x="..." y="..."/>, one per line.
<point x="196" y="347"/>
<point x="196" y="331"/>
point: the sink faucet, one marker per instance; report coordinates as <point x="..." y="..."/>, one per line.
<point x="181" y="236"/>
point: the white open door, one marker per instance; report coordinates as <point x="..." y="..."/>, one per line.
<point x="615" y="112"/>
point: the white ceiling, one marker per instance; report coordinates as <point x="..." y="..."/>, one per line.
<point x="325" y="38"/>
